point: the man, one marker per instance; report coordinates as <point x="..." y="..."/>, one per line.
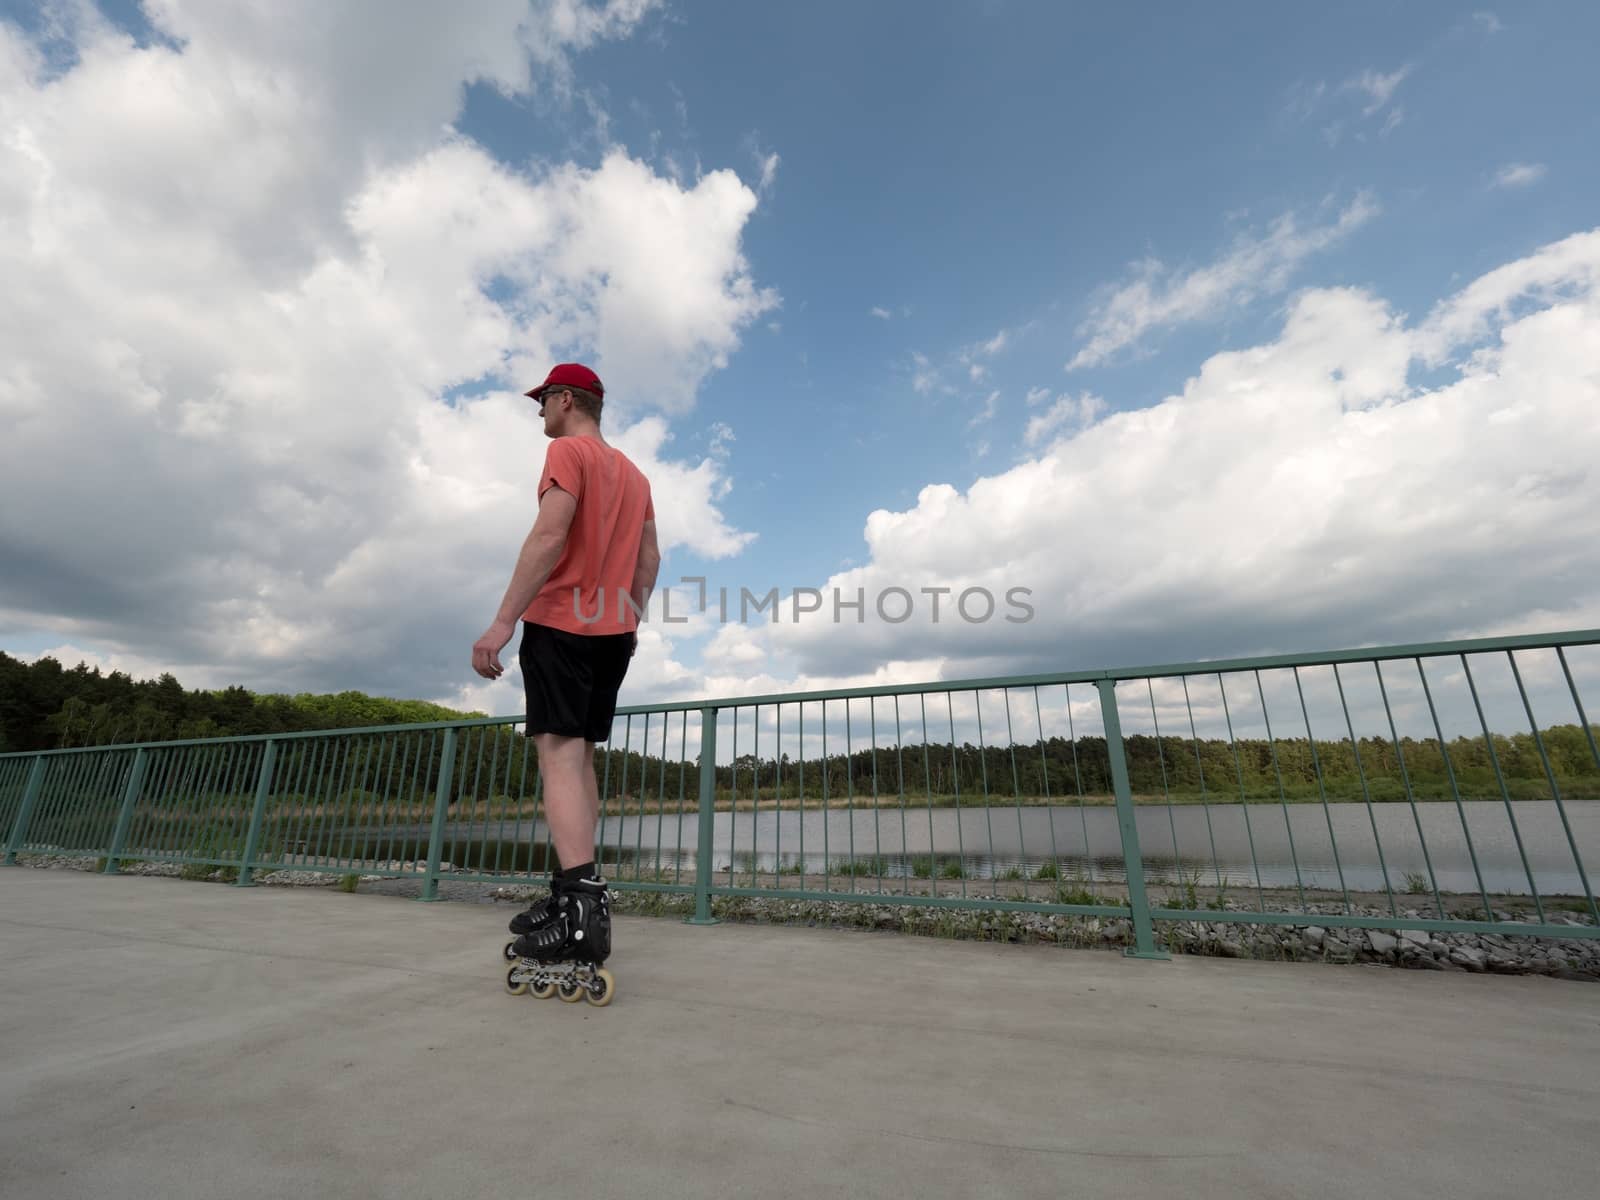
<point x="585" y="574"/>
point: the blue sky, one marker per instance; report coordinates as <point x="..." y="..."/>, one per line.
<point x="1175" y="301"/>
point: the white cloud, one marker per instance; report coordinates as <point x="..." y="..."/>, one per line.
<point x="996" y="344"/>
<point x="1519" y="174"/>
<point x="1487" y="22"/>
<point x="1069" y="413"/>
<point x="984" y="415"/>
<point x="1296" y="494"/>
<point x="1378" y="88"/>
<point x="1158" y="297"/>
<point x="1037" y="396"/>
<point x="883" y="314"/>
<point x="925" y="377"/>
<point x="242" y="269"/>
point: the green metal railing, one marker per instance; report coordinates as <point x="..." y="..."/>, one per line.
<point x="1449" y="787"/>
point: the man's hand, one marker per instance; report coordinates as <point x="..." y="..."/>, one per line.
<point x="486" y="650"/>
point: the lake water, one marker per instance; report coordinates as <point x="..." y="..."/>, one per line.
<point x="1240" y="846"/>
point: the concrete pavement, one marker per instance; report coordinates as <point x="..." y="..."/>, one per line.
<point x="172" y="1039"/>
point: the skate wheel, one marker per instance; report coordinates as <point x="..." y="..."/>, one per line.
<point x="511" y="954"/>
<point x="541" y="991"/>
<point x="512" y="986"/>
<point x="601" y="989"/>
<point x="571" y="993"/>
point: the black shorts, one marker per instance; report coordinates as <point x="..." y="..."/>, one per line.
<point x="571" y="680"/>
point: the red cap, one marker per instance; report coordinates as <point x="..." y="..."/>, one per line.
<point x="570" y="375"/>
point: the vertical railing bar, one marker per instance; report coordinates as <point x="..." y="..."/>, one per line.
<point x="292" y="796"/>
<point x="778" y="802"/>
<point x="850" y="792"/>
<point x="1405" y="779"/>
<point x="800" y="786"/>
<point x="900" y="774"/>
<point x="380" y="848"/>
<point x="983" y="778"/>
<point x="130" y="799"/>
<point x="1077" y="776"/>
<point x="216" y="760"/>
<point x="58" y="785"/>
<point x="927" y="782"/>
<point x="1132" y="856"/>
<point x="1316" y="767"/>
<point x="1016" y="794"/>
<point x="1455" y="791"/>
<point x="1555" y="791"/>
<point x="17" y="835"/>
<point x="1366" y="793"/>
<point x="683" y="767"/>
<point x="1244" y="801"/>
<point x="1166" y="790"/>
<point x="827" y="808"/>
<point x="1049" y="799"/>
<point x="755" y="793"/>
<point x="258" y="808"/>
<point x="644" y="791"/>
<point x="877" y="816"/>
<point x="355" y="799"/>
<point x="389" y="749"/>
<point x="248" y="770"/>
<point x="733" y="797"/>
<point x="1505" y="794"/>
<point x="441" y="805"/>
<point x="148" y="824"/>
<point x="705" y="827"/>
<point x="327" y="844"/>
<point x="1283" y="800"/>
<point x="1205" y="803"/>
<point x="170" y="832"/>
<point x="413" y="810"/>
<point x="465" y="855"/>
<point x="622" y="795"/>
<point x="955" y="772"/>
<point x="187" y="800"/>
<point x="661" y="795"/>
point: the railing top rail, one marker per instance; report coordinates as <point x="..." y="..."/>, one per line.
<point x="1538" y="641"/>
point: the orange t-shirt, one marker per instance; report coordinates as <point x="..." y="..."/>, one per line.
<point x="587" y="591"/>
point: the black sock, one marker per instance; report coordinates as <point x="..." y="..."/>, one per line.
<point x="586" y="871"/>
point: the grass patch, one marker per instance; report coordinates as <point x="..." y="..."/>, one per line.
<point x="1048" y="871"/>
<point x="1416" y="885"/>
<point x="349" y="882"/>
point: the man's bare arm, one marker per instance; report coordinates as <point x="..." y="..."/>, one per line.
<point x="644" y="575"/>
<point x="541" y="550"/>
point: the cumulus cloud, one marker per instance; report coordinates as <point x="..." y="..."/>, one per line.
<point x="1158" y="297"/>
<point x="247" y="263"/>
<point x="1298" y="494"/>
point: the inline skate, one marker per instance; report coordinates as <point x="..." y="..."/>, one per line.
<point x="564" y="956"/>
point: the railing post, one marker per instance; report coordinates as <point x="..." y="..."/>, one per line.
<point x="30" y="797"/>
<point x="130" y="797"/>
<point x="705" y="822"/>
<point x="1144" y="945"/>
<point x="441" y="801"/>
<point x="252" y="839"/>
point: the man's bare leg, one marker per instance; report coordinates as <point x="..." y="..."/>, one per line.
<point x="571" y="795"/>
